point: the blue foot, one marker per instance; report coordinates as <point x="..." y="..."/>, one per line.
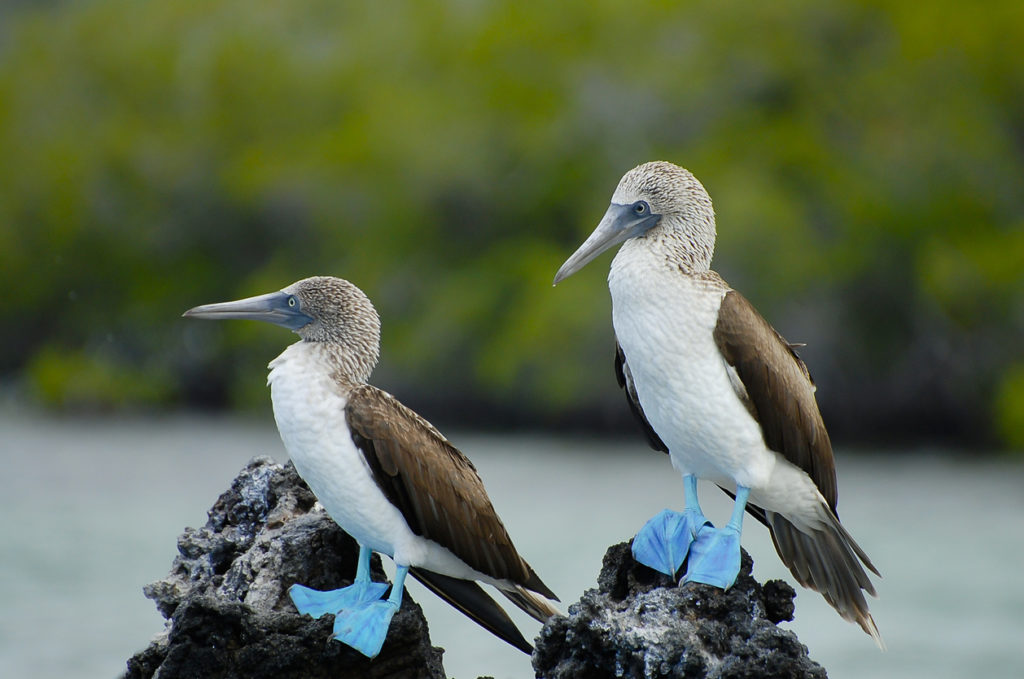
<point x="664" y="541"/>
<point x="316" y="603"/>
<point x="715" y="553"/>
<point x="715" y="557"/>
<point x="364" y="628"/>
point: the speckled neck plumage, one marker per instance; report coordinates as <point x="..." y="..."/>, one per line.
<point x="344" y="323"/>
<point x="686" y="232"/>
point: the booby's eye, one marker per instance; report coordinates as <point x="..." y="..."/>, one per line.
<point x="292" y="302"/>
<point x="641" y="208"/>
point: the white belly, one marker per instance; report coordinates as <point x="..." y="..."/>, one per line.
<point x="664" y="322"/>
<point x="310" y="414"/>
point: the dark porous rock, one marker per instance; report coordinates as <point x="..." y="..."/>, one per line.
<point x="226" y="598"/>
<point x="639" y="623"/>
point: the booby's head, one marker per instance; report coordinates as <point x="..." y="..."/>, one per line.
<point x="318" y="309"/>
<point x="657" y="200"/>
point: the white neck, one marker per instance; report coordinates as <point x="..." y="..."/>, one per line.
<point x="320" y="365"/>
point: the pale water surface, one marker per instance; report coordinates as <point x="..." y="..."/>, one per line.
<point x="92" y="510"/>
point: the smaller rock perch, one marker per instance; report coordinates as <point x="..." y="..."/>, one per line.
<point x="638" y="623"/>
<point x="226" y="598"/>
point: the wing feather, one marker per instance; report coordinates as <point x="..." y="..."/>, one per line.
<point x="625" y="380"/>
<point x="780" y="392"/>
<point x="435" y="486"/>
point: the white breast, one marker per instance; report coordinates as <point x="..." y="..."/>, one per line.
<point x="310" y="415"/>
<point x="664" y="321"/>
<point x="309" y="409"/>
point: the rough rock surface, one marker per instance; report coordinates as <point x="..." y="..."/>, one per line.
<point x="226" y="598"/>
<point x="638" y="623"/>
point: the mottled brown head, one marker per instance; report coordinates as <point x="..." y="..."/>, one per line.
<point x="321" y="309"/>
<point x="340" y="311"/>
<point x="659" y="201"/>
<point x="671" y="191"/>
<point x="341" y="314"/>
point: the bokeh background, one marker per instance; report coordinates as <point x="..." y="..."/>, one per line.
<point x="866" y="160"/>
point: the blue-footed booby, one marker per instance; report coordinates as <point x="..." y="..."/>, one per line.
<point x="381" y="471"/>
<point x="720" y="391"/>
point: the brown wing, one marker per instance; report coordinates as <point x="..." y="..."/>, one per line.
<point x="435" y="486"/>
<point x="779" y="391"/>
<point x="625" y="380"/>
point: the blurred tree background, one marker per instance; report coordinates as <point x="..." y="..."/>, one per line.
<point x="866" y="160"/>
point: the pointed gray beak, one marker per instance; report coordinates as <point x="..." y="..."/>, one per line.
<point x="279" y="308"/>
<point x="620" y="223"/>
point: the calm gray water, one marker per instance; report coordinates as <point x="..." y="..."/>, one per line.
<point x="93" y="509"/>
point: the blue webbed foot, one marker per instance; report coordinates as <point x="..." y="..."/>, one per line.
<point x="665" y="540"/>
<point x="316" y="603"/>
<point x="365" y="627"/>
<point x="715" y="557"/>
<point x="715" y="554"/>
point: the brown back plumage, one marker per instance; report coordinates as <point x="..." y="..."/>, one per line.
<point x="779" y="389"/>
<point x="780" y="395"/>
<point x="435" y="486"/>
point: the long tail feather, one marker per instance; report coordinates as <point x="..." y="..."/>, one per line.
<point x="471" y="600"/>
<point x="829" y="561"/>
<point x="530" y="603"/>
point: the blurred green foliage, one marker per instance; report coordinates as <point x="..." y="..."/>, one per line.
<point x="1010" y="407"/>
<point x="866" y="160"/>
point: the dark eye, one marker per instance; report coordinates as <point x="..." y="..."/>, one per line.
<point x="640" y="207"/>
<point x="292" y="302"/>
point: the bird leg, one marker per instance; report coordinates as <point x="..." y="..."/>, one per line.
<point x="365" y="627"/>
<point x="316" y="603"/>
<point x="715" y="553"/>
<point x="665" y="540"/>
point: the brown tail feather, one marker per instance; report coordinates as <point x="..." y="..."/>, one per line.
<point x="530" y="603"/>
<point x="828" y="561"/>
<point x="535" y="584"/>
<point x="473" y="602"/>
